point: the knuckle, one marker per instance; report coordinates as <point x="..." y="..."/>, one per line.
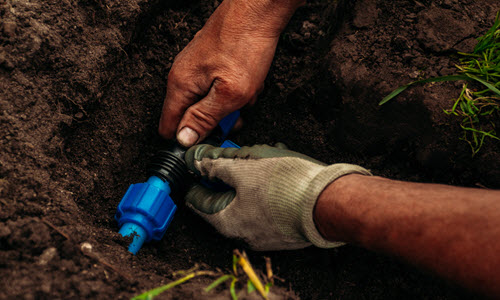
<point x="241" y="92"/>
<point x="177" y="73"/>
<point x="179" y="80"/>
<point x="235" y="89"/>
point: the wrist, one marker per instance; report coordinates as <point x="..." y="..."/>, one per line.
<point x="314" y="231"/>
<point x="331" y="212"/>
<point x="274" y="13"/>
<point x="264" y="18"/>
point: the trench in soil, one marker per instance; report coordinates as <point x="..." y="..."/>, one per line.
<point x="116" y="137"/>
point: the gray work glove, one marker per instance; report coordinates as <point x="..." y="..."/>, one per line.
<point x="275" y="191"/>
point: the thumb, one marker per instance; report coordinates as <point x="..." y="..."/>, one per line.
<point x="197" y="122"/>
<point x="203" y="116"/>
<point x="204" y="200"/>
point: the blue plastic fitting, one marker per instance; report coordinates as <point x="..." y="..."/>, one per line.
<point x="145" y="212"/>
<point x="228" y="123"/>
<point x="229" y="144"/>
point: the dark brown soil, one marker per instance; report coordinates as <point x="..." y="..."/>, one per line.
<point x="81" y="87"/>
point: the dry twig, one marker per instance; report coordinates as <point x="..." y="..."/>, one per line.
<point x="55" y="228"/>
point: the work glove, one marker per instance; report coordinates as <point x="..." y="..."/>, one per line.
<point x="275" y="191"/>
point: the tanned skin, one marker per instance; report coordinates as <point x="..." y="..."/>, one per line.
<point x="452" y="231"/>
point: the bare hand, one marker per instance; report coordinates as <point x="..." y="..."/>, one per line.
<point x="223" y="68"/>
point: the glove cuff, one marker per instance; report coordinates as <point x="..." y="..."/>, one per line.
<point x="318" y="184"/>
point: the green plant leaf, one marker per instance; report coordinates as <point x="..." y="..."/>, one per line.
<point x="268" y="286"/>
<point x="250" y="287"/>
<point x="232" y="289"/>
<point x="217" y="282"/>
<point x="490" y="133"/>
<point x="434" y="79"/>
<point x="394" y="94"/>
<point x="156" y="291"/>
<point x="235" y="265"/>
<point x="485" y="83"/>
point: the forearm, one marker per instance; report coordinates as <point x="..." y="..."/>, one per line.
<point x="453" y="231"/>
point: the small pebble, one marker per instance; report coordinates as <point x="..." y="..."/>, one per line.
<point x="414" y="75"/>
<point x="47" y="255"/>
<point x="306" y="25"/>
<point x="86" y="247"/>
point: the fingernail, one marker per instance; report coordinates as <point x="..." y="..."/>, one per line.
<point x="187" y="137"/>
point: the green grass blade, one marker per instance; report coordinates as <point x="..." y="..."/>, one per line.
<point x="469" y="54"/>
<point x="434" y="79"/>
<point x="232" y="289"/>
<point x="156" y="291"/>
<point x="250" y="287"/>
<point x="235" y="265"/>
<point x="394" y="94"/>
<point x="489" y="134"/>
<point x="218" y="282"/>
<point x="268" y="286"/>
<point x="485" y="83"/>
<point x="442" y="78"/>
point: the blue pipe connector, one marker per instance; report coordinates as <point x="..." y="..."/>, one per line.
<point x="145" y="212"/>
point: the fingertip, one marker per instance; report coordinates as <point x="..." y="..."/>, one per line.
<point x="193" y="192"/>
<point x="195" y="153"/>
<point x="196" y="198"/>
<point x="205" y="200"/>
<point x="187" y="137"/>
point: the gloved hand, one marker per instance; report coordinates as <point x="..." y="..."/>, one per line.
<point x="275" y="191"/>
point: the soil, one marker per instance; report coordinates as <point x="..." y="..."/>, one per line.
<point x="81" y="88"/>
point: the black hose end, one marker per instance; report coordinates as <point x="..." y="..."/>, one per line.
<point x="169" y="165"/>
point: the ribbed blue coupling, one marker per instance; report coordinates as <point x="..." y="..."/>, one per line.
<point x="145" y="212"/>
